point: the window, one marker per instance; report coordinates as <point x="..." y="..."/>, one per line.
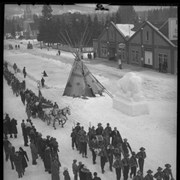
<point x="133" y="55"/>
<point x="147" y="35"/>
<point x="137" y="56"/>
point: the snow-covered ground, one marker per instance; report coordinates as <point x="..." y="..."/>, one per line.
<point x="155" y="131"/>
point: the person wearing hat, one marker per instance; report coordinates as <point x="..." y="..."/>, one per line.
<point x="149" y="175"/>
<point x="66" y="174"/>
<point x="167" y="172"/>
<point x="85" y="174"/>
<point x="107" y="133"/>
<point x="116" y="137"/>
<point x="110" y="153"/>
<point x="75" y="169"/>
<point x="126" y="147"/>
<point x="96" y="177"/>
<point x="159" y="174"/>
<point x="138" y="176"/>
<point x="93" y="144"/>
<point x="73" y="139"/>
<point x="133" y="164"/>
<point x="125" y="164"/>
<point x="103" y="158"/>
<point x="141" y="155"/>
<point x="118" y="166"/>
<point x="99" y="129"/>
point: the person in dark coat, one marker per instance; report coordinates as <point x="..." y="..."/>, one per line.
<point x="116" y="137"/>
<point x="138" y="176"/>
<point x="34" y="152"/>
<point x="24" y="72"/>
<point x="107" y="133"/>
<point x="99" y="129"/>
<point x="93" y="144"/>
<point x="45" y="74"/>
<point x="42" y="82"/>
<point x="47" y="159"/>
<point x="15" y="67"/>
<point x="66" y="174"/>
<point x="141" y="156"/>
<point x="85" y="174"/>
<point x="8" y="123"/>
<point x="167" y="172"/>
<point x="18" y="164"/>
<point x="6" y="144"/>
<point x="22" y="97"/>
<point x="5" y="128"/>
<point x="96" y="177"/>
<point x="24" y="133"/>
<point x="126" y="147"/>
<point x="24" y="158"/>
<point x="75" y="169"/>
<point x="73" y="139"/>
<point x="118" y="166"/>
<point x="125" y="163"/>
<point x="103" y="158"/>
<point x="55" y="165"/>
<point x="80" y="166"/>
<point x="110" y="152"/>
<point x="133" y="164"/>
<point x="149" y="175"/>
<point x="13" y="127"/>
<point x="12" y="153"/>
<point x="159" y="174"/>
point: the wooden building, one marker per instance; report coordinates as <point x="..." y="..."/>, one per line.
<point x="148" y="47"/>
<point x="106" y="46"/>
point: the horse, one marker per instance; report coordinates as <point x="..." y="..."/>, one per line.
<point x="57" y="115"/>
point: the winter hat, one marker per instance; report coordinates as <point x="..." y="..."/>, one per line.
<point x="159" y="169"/>
<point x="167" y="165"/>
<point x="74" y="160"/>
<point x="99" y="124"/>
<point x="78" y="123"/>
<point x="142" y="149"/>
<point x="149" y="171"/>
<point x="139" y="172"/>
<point x="125" y="139"/>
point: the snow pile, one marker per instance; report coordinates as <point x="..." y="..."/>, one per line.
<point x="130" y="87"/>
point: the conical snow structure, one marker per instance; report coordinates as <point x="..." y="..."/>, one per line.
<point x="81" y="82"/>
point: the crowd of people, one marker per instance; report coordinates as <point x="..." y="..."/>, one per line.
<point x="106" y="143"/>
<point x="112" y="149"/>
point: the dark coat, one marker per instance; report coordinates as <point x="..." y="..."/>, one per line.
<point x="148" y="177"/>
<point x="13" y="126"/>
<point x="47" y="159"/>
<point x="137" y="177"/>
<point x="18" y="163"/>
<point x="24" y="159"/>
<point x="34" y="152"/>
<point x="99" y="130"/>
<point x="66" y="175"/>
<point x="55" y="169"/>
<point x="8" y="123"/>
<point x="116" y="138"/>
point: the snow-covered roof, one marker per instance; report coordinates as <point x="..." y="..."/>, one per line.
<point x="126" y="29"/>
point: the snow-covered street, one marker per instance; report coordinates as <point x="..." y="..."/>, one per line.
<point x="155" y="131"/>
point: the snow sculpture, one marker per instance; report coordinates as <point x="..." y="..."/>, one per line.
<point x="129" y="99"/>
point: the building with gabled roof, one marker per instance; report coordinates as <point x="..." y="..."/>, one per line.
<point x="150" y="48"/>
<point x="170" y="29"/>
<point x="106" y="46"/>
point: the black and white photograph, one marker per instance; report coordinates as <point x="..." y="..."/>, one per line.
<point x="90" y="92"/>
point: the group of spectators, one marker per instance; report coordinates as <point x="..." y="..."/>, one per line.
<point x="112" y="149"/>
<point x="12" y="81"/>
<point x="103" y="142"/>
